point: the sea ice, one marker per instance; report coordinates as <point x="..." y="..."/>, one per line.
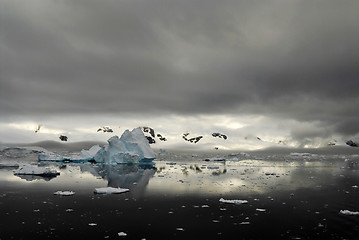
<point x="348" y="212"/>
<point x="64" y="193"/>
<point x="34" y="170"/>
<point x="233" y="201"/>
<point x="132" y="147"/>
<point x="110" y="190"/>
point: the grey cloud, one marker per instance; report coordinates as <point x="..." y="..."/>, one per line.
<point x="286" y="59"/>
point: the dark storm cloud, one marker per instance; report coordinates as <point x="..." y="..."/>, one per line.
<point x="287" y="59"/>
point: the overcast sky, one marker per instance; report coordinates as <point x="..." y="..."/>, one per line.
<point x="281" y="70"/>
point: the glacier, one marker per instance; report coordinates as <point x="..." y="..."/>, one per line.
<point x="131" y="147"/>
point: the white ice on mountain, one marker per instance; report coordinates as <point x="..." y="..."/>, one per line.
<point x="131" y="147"/>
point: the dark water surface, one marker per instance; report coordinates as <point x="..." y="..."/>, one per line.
<point x="289" y="197"/>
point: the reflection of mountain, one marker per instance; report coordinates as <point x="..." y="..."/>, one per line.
<point x="134" y="177"/>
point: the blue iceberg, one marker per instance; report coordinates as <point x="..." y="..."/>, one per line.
<point x="131" y="147"/>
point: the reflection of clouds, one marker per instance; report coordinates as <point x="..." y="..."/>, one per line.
<point x="246" y="177"/>
<point x="134" y="177"/>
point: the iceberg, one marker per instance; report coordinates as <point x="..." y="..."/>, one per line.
<point x="38" y="171"/>
<point x="110" y="190"/>
<point x="132" y="147"/>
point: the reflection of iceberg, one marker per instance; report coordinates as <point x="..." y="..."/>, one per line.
<point x="132" y="147"/>
<point x="130" y="176"/>
<point x="29" y="173"/>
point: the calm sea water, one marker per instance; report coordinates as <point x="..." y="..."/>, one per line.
<point x="289" y="197"/>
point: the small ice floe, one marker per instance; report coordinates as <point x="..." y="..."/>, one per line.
<point x="260" y="210"/>
<point x="235" y="201"/>
<point x="110" y="190"/>
<point x="34" y="170"/>
<point x="122" y="234"/>
<point x="64" y="193"/>
<point x="244" y="223"/>
<point x="348" y="212"/>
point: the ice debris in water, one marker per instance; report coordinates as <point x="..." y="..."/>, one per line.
<point x="348" y="212"/>
<point x="260" y="210"/>
<point x="110" y="190"/>
<point x="233" y="201"/>
<point x="122" y="234"/>
<point x="131" y="147"/>
<point x="64" y="193"/>
<point x="34" y="170"/>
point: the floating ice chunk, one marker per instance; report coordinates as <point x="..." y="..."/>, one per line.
<point x="122" y="234"/>
<point x="34" y="170"/>
<point x="110" y="190"/>
<point x="132" y="147"/>
<point x="347" y="212"/>
<point x="233" y="201"/>
<point x="260" y="210"/>
<point x="64" y="193"/>
<point x="245" y="223"/>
